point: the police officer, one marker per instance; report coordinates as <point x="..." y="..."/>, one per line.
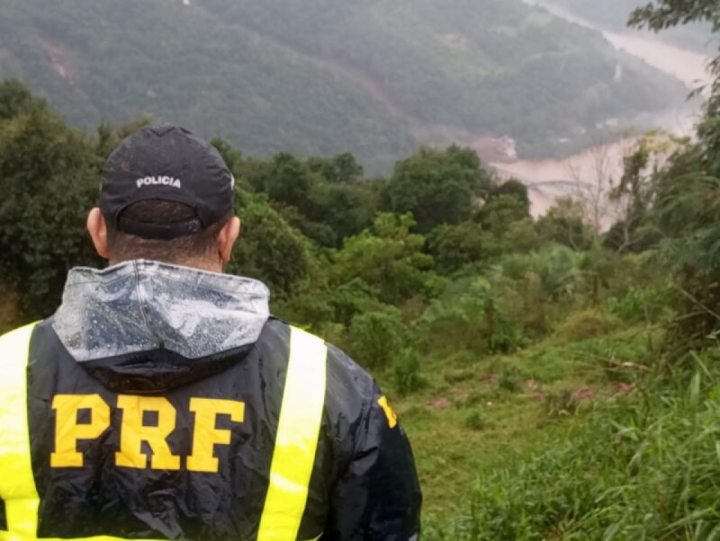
<point x="163" y="401"/>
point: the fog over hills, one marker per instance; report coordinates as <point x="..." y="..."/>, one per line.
<point x="324" y="76"/>
<point x="614" y="14"/>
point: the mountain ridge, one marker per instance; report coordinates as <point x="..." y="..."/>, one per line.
<point x="322" y="77"/>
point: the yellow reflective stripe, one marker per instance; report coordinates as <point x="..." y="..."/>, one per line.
<point x="297" y="438"/>
<point x="17" y="484"/>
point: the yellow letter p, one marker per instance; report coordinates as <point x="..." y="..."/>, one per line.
<point x="68" y="431"/>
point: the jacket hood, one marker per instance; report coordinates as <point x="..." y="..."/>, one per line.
<point x="145" y="310"/>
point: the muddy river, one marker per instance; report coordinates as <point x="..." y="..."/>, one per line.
<point x="582" y="172"/>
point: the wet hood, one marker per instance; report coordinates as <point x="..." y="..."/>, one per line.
<point x="154" y="321"/>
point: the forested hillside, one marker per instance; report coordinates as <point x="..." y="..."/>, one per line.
<point x="323" y="77"/>
<point x="614" y="14"/>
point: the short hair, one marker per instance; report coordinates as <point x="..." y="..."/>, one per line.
<point x="179" y="250"/>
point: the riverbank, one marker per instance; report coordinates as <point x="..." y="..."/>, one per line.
<point x="587" y="170"/>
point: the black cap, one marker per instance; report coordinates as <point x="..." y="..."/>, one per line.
<point x="166" y="163"/>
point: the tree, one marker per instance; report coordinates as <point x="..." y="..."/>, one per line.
<point x="634" y="196"/>
<point x="340" y="169"/>
<point x="565" y="224"/>
<point x="662" y="14"/>
<point x="269" y="249"/>
<point x="437" y="187"/>
<point x="49" y="178"/>
<point x="593" y="182"/>
<point x="515" y="188"/>
<point x="453" y="246"/>
<point x="346" y="209"/>
<point x="288" y="180"/>
<point x="501" y="210"/>
<point x="109" y="136"/>
<point x="387" y="256"/>
<point x="14" y="98"/>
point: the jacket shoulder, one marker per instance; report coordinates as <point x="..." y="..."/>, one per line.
<point x="350" y="389"/>
<point x="19" y="337"/>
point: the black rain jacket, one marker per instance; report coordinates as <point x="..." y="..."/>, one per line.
<point x="146" y="328"/>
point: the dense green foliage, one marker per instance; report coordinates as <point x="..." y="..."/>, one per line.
<point x="42" y="163"/>
<point x="316" y="77"/>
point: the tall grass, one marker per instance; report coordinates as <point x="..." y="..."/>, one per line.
<point x="639" y="467"/>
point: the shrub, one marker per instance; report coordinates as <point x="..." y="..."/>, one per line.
<point x="557" y="269"/>
<point x="406" y="372"/>
<point x="468" y="314"/>
<point x="586" y="324"/>
<point x="271" y="250"/>
<point x="510" y="379"/>
<point x="640" y="304"/>
<point x="387" y="256"/>
<point x="453" y="246"/>
<point x="350" y="299"/>
<point x="377" y="337"/>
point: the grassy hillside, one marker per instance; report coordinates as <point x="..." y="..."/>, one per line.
<point x="322" y="77"/>
<point x="478" y="417"/>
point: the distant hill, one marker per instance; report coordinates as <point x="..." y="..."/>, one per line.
<point x="325" y="76"/>
<point x="614" y="14"/>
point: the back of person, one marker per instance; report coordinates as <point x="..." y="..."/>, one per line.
<point x="163" y="401"/>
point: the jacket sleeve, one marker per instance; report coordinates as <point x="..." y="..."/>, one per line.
<point x="377" y="496"/>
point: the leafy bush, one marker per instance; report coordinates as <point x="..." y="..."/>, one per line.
<point x="350" y="299"/>
<point x="510" y="379"/>
<point x="469" y="315"/>
<point x="377" y="337"/>
<point x="406" y="372"/>
<point x="387" y="256"/>
<point x="586" y="324"/>
<point x="641" y="304"/>
<point x="270" y="249"/>
<point x="556" y="267"/>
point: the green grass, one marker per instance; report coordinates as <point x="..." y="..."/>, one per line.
<point x="592" y="439"/>
<point x="476" y="414"/>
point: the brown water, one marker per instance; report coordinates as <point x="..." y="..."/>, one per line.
<point x="687" y="66"/>
<point x="585" y="173"/>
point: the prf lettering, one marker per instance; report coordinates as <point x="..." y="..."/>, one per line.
<point x="136" y="429"/>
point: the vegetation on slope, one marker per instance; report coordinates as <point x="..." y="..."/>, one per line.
<point x="324" y="77"/>
<point x="556" y="382"/>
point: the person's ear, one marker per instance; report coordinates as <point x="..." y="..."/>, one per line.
<point x="227" y="237"/>
<point x="97" y="228"/>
